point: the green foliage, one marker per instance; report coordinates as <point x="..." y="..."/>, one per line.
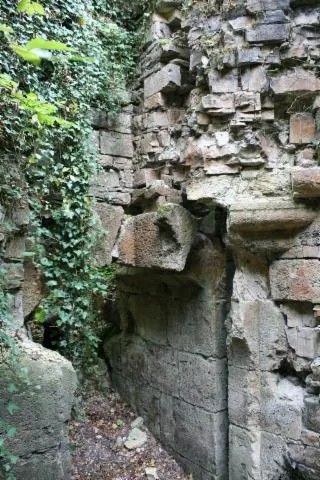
<point x="46" y="127"/>
<point x="58" y="61"/>
<point x="30" y="8"/>
<point x="9" y="356"/>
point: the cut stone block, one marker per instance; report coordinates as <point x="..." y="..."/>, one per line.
<point x="32" y="289"/>
<point x="244" y="458"/>
<point x="297" y="80"/>
<point x="145" y="177"/>
<point x="263" y="217"/>
<point x="44" y="406"/>
<point x="255" y="79"/>
<point x="312" y="413"/>
<point x="14" y="275"/>
<point x="257" y="336"/>
<point x="250" y="56"/>
<point x="219" y="105"/>
<point x="212" y="167"/>
<point x="201" y="436"/>
<point x="248" y="102"/>
<point x="159" y="30"/>
<point x="103" y="183"/>
<point x="162" y="119"/>
<point x="157" y="240"/>
<point x="227" y="83"/>
<point x="155" y="101"/>
<point x="297" y="280"/>
<point x="306" y="182"/>
<point x="255" y="6"/>
<point x="274" y="16"/>
<point x="166" y="80"/>
<point x="281" y="406"/>
<point x="267" y="34"/>
<point x="116" y="144"/>
<point x="120" y="122"/>
<point x="206" y="337"/>
<point x="302" y="128"/>
<point x="195" y="385"/>
<point x="243" y="404"/>
<point x="109" y="218"/>
<point x="119" y="198"/>
<point x="308" y="343"/>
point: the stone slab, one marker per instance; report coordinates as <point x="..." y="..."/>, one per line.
<point x="302" y="128"/>
<point x="109" y="218"/>
<point x="116" y="144"/>
<point x="157" y="240"/>
<point x="306" y="182"/>
<point x="166" y="80"/>
<point x="297" y="280"/>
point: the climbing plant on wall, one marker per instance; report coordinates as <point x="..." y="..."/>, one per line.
<point x="64" y="58"/>
<point x="60" y="59"/>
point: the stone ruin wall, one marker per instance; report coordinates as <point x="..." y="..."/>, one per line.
<point x="44" y="401"/>
<point x="207" y="200"/>
<point x="208" y="195"/>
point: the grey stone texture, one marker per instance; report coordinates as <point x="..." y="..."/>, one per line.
<point x="206" y="197"/>
<point x="161" y="239"/>
<point x="226" y="318"/>
<point x="170" y="362"/>
<point x="109" y="219"/>
<point x="44" y="395"/>
<point x="41" y="441"/>
<point x="167" y="79"/>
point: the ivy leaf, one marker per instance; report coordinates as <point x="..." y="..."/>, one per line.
<point x="43" y="54"/>
<point x="11" y="432"/>
<point x="30" y="8"/>
<point x="7" y="82"/>
<point x="5" y="29"/>
<point x="40" y="316"/>
<point x="26" y="54"/>
<point x="12" y="407"/>
<point x="44" y="44"/>
<point x="13" y="459"/>
<point x="12" y="388"/>
<point x="80" y="58"/>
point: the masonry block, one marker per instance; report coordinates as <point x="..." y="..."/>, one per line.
<point x="306" y="182"/>
<point x="302" y="128"/>
<point x="166" y="80"/>
<point x="297" y="280"/>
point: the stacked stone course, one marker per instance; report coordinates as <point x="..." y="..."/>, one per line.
<point x="225" y="127"/>
<point x="44" y="396"/>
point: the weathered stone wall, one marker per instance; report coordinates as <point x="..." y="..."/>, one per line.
<point x="44" y="395"/>
<point x="169" y="360"/>
<point x="225" y="122"/>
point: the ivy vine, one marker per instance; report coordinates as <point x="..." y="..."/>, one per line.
<point x="59" y="60"/>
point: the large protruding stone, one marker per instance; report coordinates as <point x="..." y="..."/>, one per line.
<point x="44" y="408"/>
<point x="306" y="182"/>
<point x="159" y="239"/>
<point x="269" y="216"/>
<point x="109" y="217"/>
<point x="166" y="80"/>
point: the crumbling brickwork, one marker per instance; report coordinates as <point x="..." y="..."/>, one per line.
<point x="217" y="172"/>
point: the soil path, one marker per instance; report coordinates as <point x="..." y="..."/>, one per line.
<point x="97" y="445"/>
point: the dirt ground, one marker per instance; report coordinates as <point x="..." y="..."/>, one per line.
<point x="96" y="443"/>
